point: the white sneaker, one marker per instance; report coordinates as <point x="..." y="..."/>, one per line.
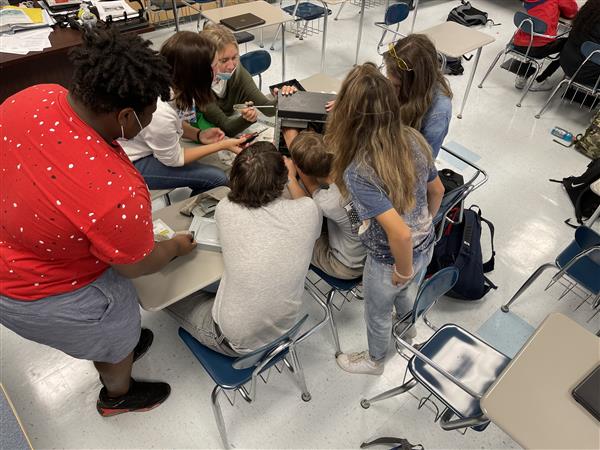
<point x="359" y="363"/>
<point x="545" y="85"/>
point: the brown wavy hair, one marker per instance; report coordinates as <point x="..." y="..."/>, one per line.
<point x="415" y="88"/>
<point x="190" y="56"/>
<point x="363" y="129"/>
<point x="310" y="155"/>
<point x="258" y="175"/>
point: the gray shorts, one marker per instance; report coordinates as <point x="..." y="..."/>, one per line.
<point x="99" y="322"/>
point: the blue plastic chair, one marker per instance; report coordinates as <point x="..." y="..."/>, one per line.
<point x="580" y="262"/>
<point x="256" y="62"/>
<point x="524" y="65"/>
<point x="337" y="286"/>
<point x="591" y="54"/>
<point x="233" y="374"/>
<point x="394" y="15"/>
<point x="467" y="359"/>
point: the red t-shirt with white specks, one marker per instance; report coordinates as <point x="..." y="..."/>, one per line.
<point x="70" y="204"/>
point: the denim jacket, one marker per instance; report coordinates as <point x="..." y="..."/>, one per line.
<point x="436" y="121"/>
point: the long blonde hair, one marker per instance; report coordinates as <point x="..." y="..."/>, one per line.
<point x="220" y="35"/>
<point x="416" y="87"/>
<point x="364" y="128"/>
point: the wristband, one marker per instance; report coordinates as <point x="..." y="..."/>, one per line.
<point x="198" y="136"/>
<point x="404" y="277"/>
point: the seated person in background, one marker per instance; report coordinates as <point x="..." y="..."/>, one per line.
<point x="267" y="242"/>
<point x="548" y="11"/>
<point x="586" y="27"/>
<point x="339" y="252"/>
<point x="156" y="152"/>
<point x="233" y="85"/>
<point x="76" y="217"/>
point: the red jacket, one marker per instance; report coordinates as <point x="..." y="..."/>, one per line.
<point x="549" y="11"/>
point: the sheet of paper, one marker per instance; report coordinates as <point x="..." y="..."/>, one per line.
<point x="23" y="42"/>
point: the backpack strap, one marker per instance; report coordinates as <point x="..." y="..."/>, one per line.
<point x="400" y="443"/>
<point x="488" y="266"/>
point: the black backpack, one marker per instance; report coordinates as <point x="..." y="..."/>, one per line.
<point x="460" y="246"/>
<point x="584" y="200"/>
<point x="468" y="16"/>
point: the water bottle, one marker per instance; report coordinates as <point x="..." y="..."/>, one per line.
<point x="562" y="134"/>
<point x="88" y="19"/>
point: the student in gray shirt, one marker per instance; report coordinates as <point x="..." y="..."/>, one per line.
<point x="267" y="242"/>
<point x="338" y="252"/>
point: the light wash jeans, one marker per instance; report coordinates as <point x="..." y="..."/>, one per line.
<point x="381" y="296"/>
<point x="197" y="176"/>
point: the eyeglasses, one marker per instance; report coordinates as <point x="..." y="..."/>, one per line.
<point x="399" y="61"/>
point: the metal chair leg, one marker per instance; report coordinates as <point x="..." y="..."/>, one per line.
<point x="366" y="403"/>
<point x="339" y="11"/>
<point x="428" y="323"/>
<point x="527" y="283"/>
<point x="554" y="92"/>
<point x="334" y="332"/>
<point x="447" y="424"/>
<point x="491" y="67"/>
<point x="299" y="372"/>
<point x="529" y="84"/>
<point x="262" y="42"/>
<point x="219" y="415"/>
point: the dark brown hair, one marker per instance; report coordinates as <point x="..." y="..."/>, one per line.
<point x="415" y="87"/>
<point x="190" y="56"/>
<point x="309" y="154"/>
<point x="258" y="175"/>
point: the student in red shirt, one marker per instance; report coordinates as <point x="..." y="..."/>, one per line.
<point x="549" y="11"/>
<point x="75" y="215"/>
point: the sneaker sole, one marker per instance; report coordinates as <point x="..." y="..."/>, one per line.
<point x="108" y="412"/>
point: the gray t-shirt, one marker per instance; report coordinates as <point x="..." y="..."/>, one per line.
<point x="341" y="230"/>
<point x="266" y="253"/>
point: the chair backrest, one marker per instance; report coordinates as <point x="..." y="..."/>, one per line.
<point x="432" y="289"/>
<point x="587" y="238"/>
<point x="256" y="61"/>
<point x="396" y="13"/>
<point x="591" y="48"/>
<point x="529" y="24"/>
<point x="252" y="359"/>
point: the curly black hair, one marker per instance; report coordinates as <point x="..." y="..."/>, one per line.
<point x="114" y="71"/>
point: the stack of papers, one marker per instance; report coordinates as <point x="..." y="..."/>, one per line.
<point x="115" y="9"/>
<point x="13" y="19"/>
<point x="26" y="41"/>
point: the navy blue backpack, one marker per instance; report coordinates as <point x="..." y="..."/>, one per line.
<point x="460" y="246"/>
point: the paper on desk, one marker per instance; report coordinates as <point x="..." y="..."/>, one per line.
<point x="24" y="42"/>
<point x="114" y="8"/>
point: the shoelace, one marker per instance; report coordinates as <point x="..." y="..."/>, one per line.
<point x="355" y="357"/>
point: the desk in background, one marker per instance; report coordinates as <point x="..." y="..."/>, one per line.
<point x="52" y="65"/>
<point x="454" y="40"/>
<point x="531" y="400"/>
<point x="272" y="15"/>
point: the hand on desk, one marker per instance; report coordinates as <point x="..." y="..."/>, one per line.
<point x="185" y="243"/>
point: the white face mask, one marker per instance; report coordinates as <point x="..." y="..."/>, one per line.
<point x="139" y="123"/>
<point x="219" y="86"/>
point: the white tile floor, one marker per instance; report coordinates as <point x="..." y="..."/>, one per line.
<point x="55" y="394"/>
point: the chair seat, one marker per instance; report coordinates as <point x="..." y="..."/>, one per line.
<point x="307" y="11"/>
<point x="243" y="36"/>
<point x="466" y="357"/>
<point x="585" y="271"/>
<point x="336" y="283"/>
<point x="219" y="366"/>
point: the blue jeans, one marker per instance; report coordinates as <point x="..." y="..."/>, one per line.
<point x="197" y="176"/>
<point x="381" y="296"/>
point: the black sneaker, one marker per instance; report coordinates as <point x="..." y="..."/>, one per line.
<point x="146" y="338"/>
<point x="142" y="396"/>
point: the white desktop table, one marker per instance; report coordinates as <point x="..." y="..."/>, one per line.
<point x="272" y="15"/>
<point x="454" y="40"/>
<point x="531" y="399"/>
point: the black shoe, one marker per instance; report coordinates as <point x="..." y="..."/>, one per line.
<point x="142" y="396"/>
<point x="146" y="338"/>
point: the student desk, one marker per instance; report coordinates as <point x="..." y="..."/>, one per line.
<point x="272" y="15"/>
<point x="531" y="400"/>
<point x="454" y="40"/>
<point x="321" y="82"/>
